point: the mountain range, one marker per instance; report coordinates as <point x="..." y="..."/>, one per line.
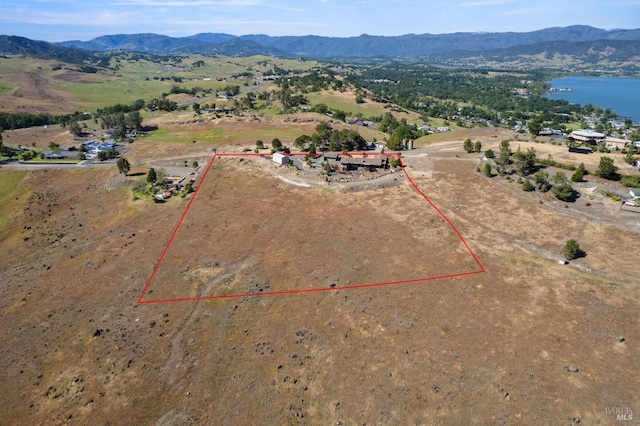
<point x="574" y="38"/>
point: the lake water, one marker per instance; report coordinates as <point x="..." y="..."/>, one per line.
<point x="621" y="95"/>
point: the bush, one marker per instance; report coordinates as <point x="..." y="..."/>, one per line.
<point x="527" y="186"/>
<point x="486" y="169"/>
<point x="572" y="250"/>
<point x="489" y="154"/>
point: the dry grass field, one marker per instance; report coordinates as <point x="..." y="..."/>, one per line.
<point x="496" y="347"/>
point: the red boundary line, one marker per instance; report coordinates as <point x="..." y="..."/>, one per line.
<point x="311" y="290"/>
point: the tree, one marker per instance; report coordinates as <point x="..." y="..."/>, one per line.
<point x="320" y="109"/>
<point x="123" y="166"/>
<point x="75" y="128"/>
<point x="504" y="155"/>
<point x="629" y="157"/>
<point x="340" y="115"/>
<point x="606" y="169"/>
<point x="541" y="179"/>
<point x="134" y="120"/>
<point x="525" y="161"/>
<point x="151" y="175"/>
<point x="535" y="125"/>
<point x="562" y="188"/>
<point x="196" y="108"/>
<point x="276" y="144"/>
<point x="486" y="169"/>
<point x="579" y="174"/>
<point x="477" y="147"/>
<point x="467" y="145"/>
<point x="302" y="141"/>
<point x="572" y="250"/>
<point x="259" y="144"/>
<point x="489" y="153"/>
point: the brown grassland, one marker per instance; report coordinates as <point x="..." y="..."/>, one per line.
<point x="76" y="348"/>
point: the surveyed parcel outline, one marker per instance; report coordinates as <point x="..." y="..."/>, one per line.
<point x="142" y="300"/>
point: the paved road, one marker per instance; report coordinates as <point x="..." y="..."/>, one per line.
<point x="16" y="165"/>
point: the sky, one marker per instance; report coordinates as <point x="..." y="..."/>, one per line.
<point x="61" y="20"/>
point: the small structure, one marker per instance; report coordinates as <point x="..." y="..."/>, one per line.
<point x="443" y="129"/>
<point x="634" y="192"/>
<point x="280" y="158"/>
<point x="563" y="262"/>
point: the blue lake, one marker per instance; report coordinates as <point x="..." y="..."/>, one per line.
<point x="621" y="95"/>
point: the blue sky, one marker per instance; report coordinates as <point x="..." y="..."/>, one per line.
<point x="58" y="20"/>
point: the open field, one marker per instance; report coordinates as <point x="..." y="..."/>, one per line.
<point x="487" y="348"/>
<point x="346" y="101"/>
<point x="529" y="341"/>
<point x="35" y="86"/>
<point x="288" y="225"/>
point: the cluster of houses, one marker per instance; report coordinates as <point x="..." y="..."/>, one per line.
<point x="90" y="149"/>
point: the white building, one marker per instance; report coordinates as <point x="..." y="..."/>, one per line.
<point x="588" y="136"/>
<point x="280" y="158"/>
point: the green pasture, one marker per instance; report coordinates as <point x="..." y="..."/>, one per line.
<point x="9" y="189"/>
<point x="6" y="88"/>
<point x="220" y="136"/>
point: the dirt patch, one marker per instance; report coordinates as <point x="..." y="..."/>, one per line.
<point x="34" y="94"/>
<point x="301" y="238"/>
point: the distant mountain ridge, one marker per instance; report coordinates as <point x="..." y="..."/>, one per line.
<point x="363" y="46"/>
<point x="14" y="45"/>
<point x="580" y="40"/>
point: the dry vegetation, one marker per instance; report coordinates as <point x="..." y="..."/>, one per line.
<point x="493" y="347"/>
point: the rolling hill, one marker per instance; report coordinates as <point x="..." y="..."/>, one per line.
<point x="363" y="46"/>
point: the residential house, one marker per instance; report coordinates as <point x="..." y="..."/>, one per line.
<point x="371" y="163"/>
<point x="59" y="154"/>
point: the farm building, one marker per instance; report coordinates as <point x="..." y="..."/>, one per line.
<point x="280" y="158"/>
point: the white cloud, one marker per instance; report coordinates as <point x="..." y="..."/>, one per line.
<point x="81" y="19"/>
